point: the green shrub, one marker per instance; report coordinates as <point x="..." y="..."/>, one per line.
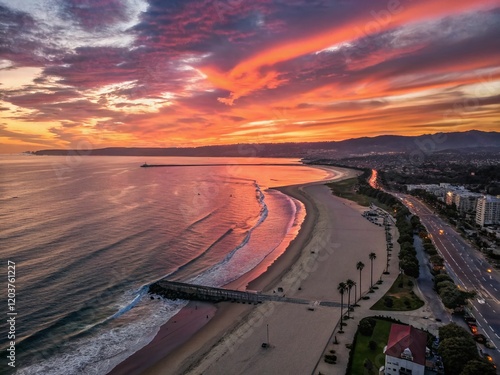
<point x="366" y="326"/>
<point x="388" y="302"/>
<point x="372" y="345"/>
<point x="330" y="358"/>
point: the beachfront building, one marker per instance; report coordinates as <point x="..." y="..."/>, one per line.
<point x="445" y="192"/>
<point x="488" y="210"/>
<point x="405" y="351"/>
<point x="435" y="189"/>
<point x="466" y="202"/>
<point x="452" y="193"/>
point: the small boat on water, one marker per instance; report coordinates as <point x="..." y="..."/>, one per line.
<point x="145" y="165"/>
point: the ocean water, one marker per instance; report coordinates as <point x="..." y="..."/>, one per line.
<point x="88" y="236"/>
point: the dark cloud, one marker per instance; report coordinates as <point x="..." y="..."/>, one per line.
<point x="19" y="39"/>
<point x="191" y="120"/>
<point x="91" y="67"/>
<point x="205" y="102"/>
<point x="27" y="138"/>
<point x="74" y="111"/>
<point x="95" y="15"/>
<point x="233" y="118"/>
<point x="34" y="100"/>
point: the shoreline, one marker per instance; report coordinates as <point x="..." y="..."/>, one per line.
<point x="157" y="358"/>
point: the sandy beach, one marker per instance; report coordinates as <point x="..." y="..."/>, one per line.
<point x="332" y="239"/>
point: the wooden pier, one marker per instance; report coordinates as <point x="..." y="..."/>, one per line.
<point x="178" y="290"/>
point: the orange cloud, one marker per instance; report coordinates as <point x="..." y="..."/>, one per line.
<point x="246" y="77"/>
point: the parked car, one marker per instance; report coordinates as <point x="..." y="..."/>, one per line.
<point x="469" y="318"/>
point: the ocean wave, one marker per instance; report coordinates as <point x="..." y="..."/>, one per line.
<point x="139" y="294"/>
<point x="209" y="277"/>
<point x="101" y="352"/>
<point x="202" y="255"/>
<point x="96" y="253"/>
<point x="201" y="220"/>
<point x="264" y="211"/>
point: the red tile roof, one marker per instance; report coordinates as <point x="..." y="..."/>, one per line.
<point x="402" y="337"/>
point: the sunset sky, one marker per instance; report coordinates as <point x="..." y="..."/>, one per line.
<point x="161" y="73"/>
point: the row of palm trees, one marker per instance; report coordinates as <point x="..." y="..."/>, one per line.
<point x="347" y="286"/>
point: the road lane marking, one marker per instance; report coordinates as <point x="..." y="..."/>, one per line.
<point x="492" y="330"/>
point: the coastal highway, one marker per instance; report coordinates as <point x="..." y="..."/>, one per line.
<point x="469" y="268"/>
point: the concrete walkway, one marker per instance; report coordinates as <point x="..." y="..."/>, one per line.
<point x="422" y="318"/>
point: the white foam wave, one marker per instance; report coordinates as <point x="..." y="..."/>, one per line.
<point x="243" y="258"/>
<point x="111" y="345"/>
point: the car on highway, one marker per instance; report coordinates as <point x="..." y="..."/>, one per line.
<point x="490" y="360"/>
<point x="480" y="338"/>
<point x="489" y="345"/>
<point x="473" y="327"/>
<point x="469" y="318"/>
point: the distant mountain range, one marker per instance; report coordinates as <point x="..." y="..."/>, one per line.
<point x="427" y="143"/>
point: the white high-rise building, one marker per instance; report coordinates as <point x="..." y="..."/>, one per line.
<point x="466" y="201"/>
<point x="488" y="210"/>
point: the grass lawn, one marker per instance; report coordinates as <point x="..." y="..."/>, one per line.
<point x="345" y="189"/>
<point x="403" y="298"/>
<point x="362" y="351"/>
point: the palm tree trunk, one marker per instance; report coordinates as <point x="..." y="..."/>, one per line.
<point x="371" y="274"/>
<point x="360" y="290"/>
<point x="348" y="302"/>
<point x="341" y="311"/>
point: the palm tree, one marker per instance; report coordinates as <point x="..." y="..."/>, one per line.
<point x="372" y="257"/>
<point x="341" y="289"/>
<point x="349" y="284"/>
<point x="359" y="266"/>
<point x="355" y="295"/>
